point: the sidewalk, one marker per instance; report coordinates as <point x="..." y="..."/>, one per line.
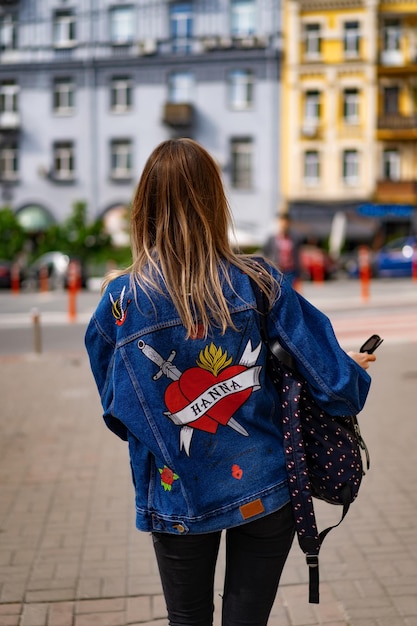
<point x="69" y="552"/>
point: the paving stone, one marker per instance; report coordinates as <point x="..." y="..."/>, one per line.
<point x="60" y="614"/>
<point x="34" y="615"/>
<point x="101" y="619"/>
<point x="71" y="556"/>
<point x="139" y="609"/>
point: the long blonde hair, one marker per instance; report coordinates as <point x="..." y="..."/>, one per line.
<point x="180" y="224"/>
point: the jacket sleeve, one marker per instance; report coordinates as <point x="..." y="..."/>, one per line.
<point x="338" y="384"/>
<point x="100" y="348"/>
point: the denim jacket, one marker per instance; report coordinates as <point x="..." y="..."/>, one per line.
<point x="201" y="417"/>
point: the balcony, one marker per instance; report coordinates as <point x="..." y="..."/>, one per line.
<point x="392" y="58"/>
<point x="409" y="66"/>
<point x="396" y="191"/>
<point x="311" y="129"/>
<point x="397" y="126"/>
<point x="9" y="121"/>
<point x="178" y="114"/>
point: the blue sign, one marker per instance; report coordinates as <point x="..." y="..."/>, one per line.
<point x="382" y="210"/>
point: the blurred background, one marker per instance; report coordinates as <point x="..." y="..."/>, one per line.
<point x="309" y="108"/>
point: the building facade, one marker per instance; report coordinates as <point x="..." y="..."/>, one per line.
<point x="89" y="87"/>
<point x="339" y="142"/>
<point x="395" y="193"/>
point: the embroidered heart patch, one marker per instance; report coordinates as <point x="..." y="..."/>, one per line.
<point x="204" y="400"/>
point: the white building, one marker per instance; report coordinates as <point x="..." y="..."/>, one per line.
<point x="89" y="87"/>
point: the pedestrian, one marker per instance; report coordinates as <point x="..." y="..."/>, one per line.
<point x="283" y="249"/>
<point x="176" y="352"/>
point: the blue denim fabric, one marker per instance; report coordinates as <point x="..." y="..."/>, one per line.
<point x="201" y="417"/>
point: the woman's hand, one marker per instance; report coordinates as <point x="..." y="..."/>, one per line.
<point x="362" y="358"/>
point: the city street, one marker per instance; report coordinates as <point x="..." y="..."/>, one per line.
<point x="389" y="310"/>
<point x="69" y="552"/>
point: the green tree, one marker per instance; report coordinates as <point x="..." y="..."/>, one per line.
<point x="12" y="235"/>
<point x="75" y="235"/>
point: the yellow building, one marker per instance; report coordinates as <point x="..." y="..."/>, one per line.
<point x="396" y="128"/>
<point x="334" y="158"/>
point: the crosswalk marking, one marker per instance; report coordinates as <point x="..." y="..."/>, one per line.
<point x="395" y="328"/>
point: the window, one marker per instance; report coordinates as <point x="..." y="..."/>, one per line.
<point x="64" y="29"/>
<point x="180" y="87"/>
<point x="121" y="158"/>
<point x="9" y="165"/>
<point x="392" y="34"/>
<point x="312" y="40"/>
<point x="121" y="94"/>
<point x="242" y="163"/>
<point x="64" y="160"/>
<point x="243" y="17"/>
<point x="311" y="167"/>
<point x="240" y="84"/>
<point x="63" y="95"/>
<point x="9" y="94"/>
<point x="391" y="100"/>
<point x="122" y="27"/>
<point x="351" y="106"/>
<point x="312" y="107"/>
<point x="391" y="164"/>
<point x="351" y="38"/>
<point x="350" y="167"/>
<point x="181" y="23"/>
<point x="8" y="32"/>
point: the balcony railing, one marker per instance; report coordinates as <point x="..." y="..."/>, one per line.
<point x="311" y="129"/>
<point x="178" y="114"/>
<point x="396" y="121"/>
<point x="396" y="190"/>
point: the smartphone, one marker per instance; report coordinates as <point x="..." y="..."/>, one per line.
<point x="371" y="344"/>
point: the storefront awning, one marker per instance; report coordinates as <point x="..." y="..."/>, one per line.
<point x="314" y="221"/>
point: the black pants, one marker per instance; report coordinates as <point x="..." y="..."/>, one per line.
<point x="255" y="556"/>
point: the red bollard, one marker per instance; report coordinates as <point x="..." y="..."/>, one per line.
<point x="318" y="270"/>
<point x="364" y="271"/>
<point x="43" y="279"/>
<point x="74" y="284"/>
<point x="15" y="278"/>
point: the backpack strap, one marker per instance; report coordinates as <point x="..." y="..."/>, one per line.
<point x="310" y="545"/>
<point x="301" y="496"/>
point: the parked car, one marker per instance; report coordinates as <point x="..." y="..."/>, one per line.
<point x="56" y="265"/>
<point x="316" y="263"/>
<point x="395" y="259"/>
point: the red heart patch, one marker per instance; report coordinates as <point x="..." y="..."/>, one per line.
<point x="193" y="383"/>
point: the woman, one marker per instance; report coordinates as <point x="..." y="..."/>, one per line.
<point x="176" y="353"/>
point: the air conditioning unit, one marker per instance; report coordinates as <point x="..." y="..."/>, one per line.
<point x="147" y="47"/>
<point x="210" y="43"/>
<point x="245" y="42"/>
<point x="225" y="42"/>
<point x="261" y="41"/>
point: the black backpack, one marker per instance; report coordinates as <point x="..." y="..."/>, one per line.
<point x="323" y="452"/>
